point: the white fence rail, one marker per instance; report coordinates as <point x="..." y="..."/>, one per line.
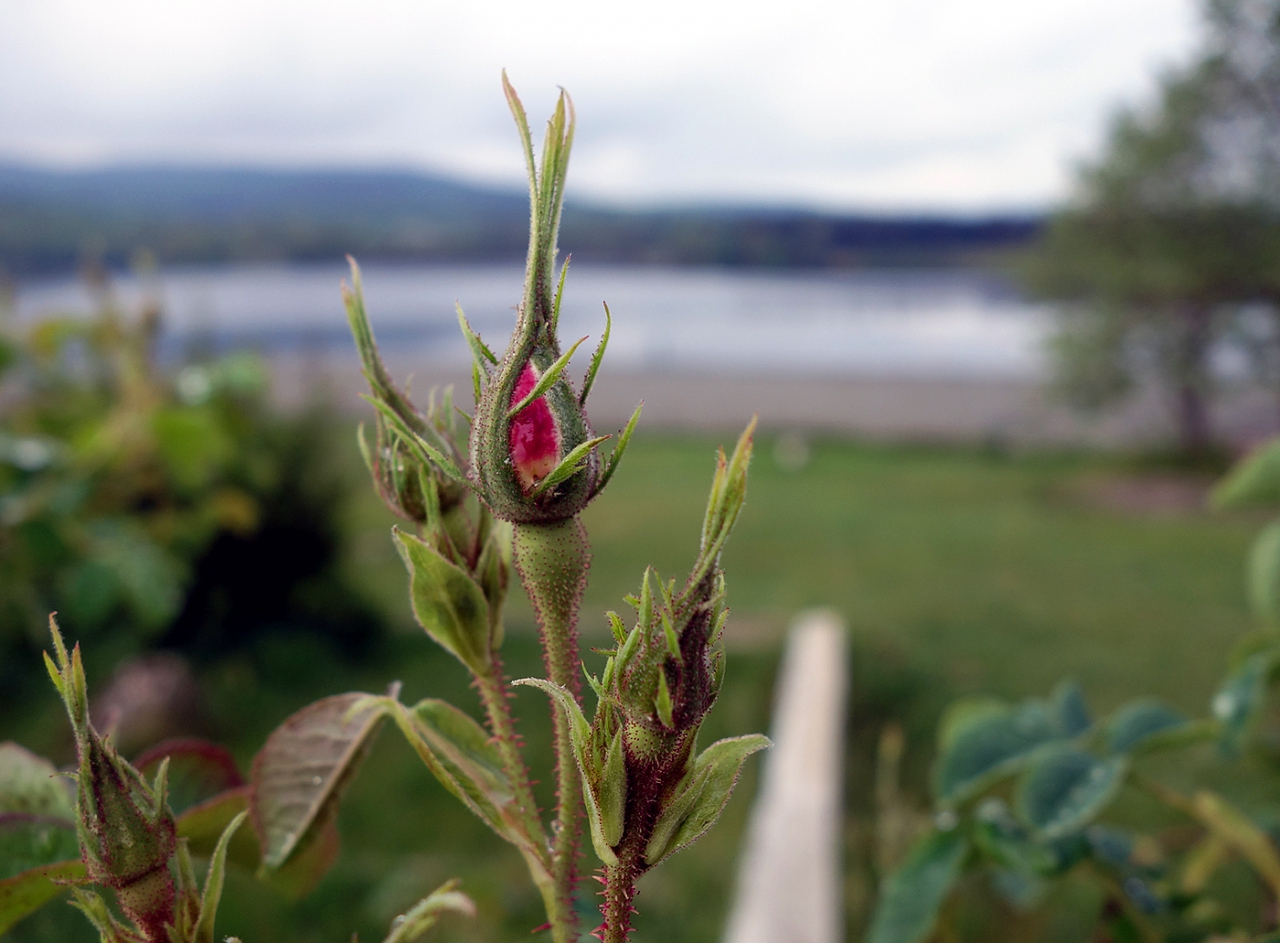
<point x="789" y="883"/>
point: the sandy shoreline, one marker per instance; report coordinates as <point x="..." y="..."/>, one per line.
<point x="891" y="408"/>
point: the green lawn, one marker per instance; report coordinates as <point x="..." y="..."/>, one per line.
<point x="956" y="571"/>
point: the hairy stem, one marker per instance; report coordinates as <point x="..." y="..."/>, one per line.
<point x="552" y="560"/>
<point x="620" y="892"/>
<point x="495" y="695"/>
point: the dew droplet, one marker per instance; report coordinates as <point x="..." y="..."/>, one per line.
<point x="316" y="780"/>
<point x="1224" y="705"/>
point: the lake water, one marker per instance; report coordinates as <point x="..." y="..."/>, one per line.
<point x="913" y="323"/>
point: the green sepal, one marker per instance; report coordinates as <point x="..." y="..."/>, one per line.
<point x="479" y="349"/>
<point x="728" y="493"/>
<point x="613" y="792"/>
<point x="384" y="390"/>
<point x="669" y="634"/>
<point x="580" y="738"/>
<point x="110" y="930"/>
<point x="662" y="701"/>
<point x="555" y="307"/>
<point x="615" y="457"/>
<point x="569" y="466"/>
<point x="212" y="893"/>
<point x="616" y="627"/>
<point x="645" y="608"/>
<point x="548" y="379"/>
<point x="124" y="826"/>
<point x="447" y="602"/>
<point x="425" y="452"/>
<point x="702" y="797"/>
<point x="590" y="379"/>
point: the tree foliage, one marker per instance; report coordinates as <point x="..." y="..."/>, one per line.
<point x="1171" y="244"/>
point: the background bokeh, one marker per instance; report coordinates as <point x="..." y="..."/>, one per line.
<point x="999" y="279"/>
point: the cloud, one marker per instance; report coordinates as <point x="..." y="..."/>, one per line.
<point x="910" y="105"/>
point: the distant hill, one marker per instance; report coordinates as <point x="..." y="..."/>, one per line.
<point x="53" y="220"/>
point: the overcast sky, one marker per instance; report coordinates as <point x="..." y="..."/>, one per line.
<point x="969" y="105"/>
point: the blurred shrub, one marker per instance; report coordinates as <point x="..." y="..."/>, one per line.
<point x="155" y="507"/>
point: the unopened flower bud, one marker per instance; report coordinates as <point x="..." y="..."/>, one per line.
<point x="534" y="458"/>
<point x="126" y="830"/>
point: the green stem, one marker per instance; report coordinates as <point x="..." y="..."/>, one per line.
<point x="553" y="560"/>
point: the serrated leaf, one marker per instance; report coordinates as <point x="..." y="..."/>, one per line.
<point x="1065" y="788"/>
<point x="30" y="784"/>
<point x="984" y="744"/>
<point x="25" y="893"/>
<point x="911" y="898"/>
<point x="1141" y="724"/>
<point x="447" y="602"/>
<point x="711" y="781"/>
<point x="1264" y="573"/>
<point x="203" y="826"/>
<point x="300" y="773"/>
<point x="463" y="757"/>
<point x="1240" y="699"/>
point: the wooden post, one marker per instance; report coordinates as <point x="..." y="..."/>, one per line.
<point x="789" y="882"/>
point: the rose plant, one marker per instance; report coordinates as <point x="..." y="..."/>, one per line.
<point x="508" y="497"/>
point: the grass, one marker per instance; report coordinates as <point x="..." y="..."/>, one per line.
<point x="956" y="571"/>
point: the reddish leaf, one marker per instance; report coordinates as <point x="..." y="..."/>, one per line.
<point x="198" y="770"/>
<point x="300" y="774"/>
